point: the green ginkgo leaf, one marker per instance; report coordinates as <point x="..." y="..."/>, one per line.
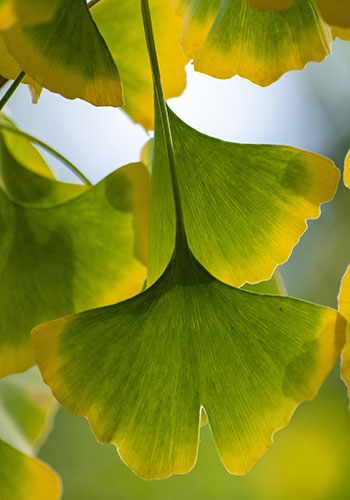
<point x="234" y="37"/>
<point x="271" y="4"/>
<point x="25" y="478"/>
<point x="28" y="11"/>
<point x="143" y="370"/>
<point x="67" y="55"/>
<point x="27" y="408"/>
<point x="344" y="308"/>
<point x="245" y="206"/>
<point x="22" y="151"/>
<point x="85" y="252"/>
<point x="21" y="183"/>
<point x="120" y="23"/>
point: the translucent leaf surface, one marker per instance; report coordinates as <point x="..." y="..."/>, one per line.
<point x="29" y="12"/>
<point x="141" y="370"/>
<point x="335" y="12"/>
<point x="27" y="408"/>
<point x="120" y="23"/>
<point x="344" y="308"/>
<point x="233" y="37"/>
<point x="23" y="151"/>
<point x="245" y="206"/>
<point x="67" y="55"/>
<point x="24" y="478"/>
<point x="89" y="251"/>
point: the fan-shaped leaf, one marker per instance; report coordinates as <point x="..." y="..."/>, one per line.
<point x="29" y="12"/>
<point x="143" y="369"/>
<point x="244" y="205"/>
<point x="121" y="25"/>
<point x="67" y="55"/>
<point x="82" y="253"/>
<point x="233" y="37"/>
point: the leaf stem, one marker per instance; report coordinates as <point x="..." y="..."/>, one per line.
<point x="38" y="142"/>
<point x="92" y="3"/>
<point x="11" y="90"/>
<point x="164" y="117"/>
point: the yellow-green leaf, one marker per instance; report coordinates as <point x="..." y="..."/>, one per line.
<point x="23" y="152"/>
<point x="120" y="23"/>
<point x="67" y="55"/>
<point x="271" y="4"/>
<point x="24" y="478"/>
<point x="233" y="37"/>
<point x="88" y="251"/>
<point x="245" y="205"/>
<point x="142" y="370"/>
<point x="27" y="408"/>
<point x="344" y="308"/>
<point x="347" y="170"/>
<point x="335" y="12"/>
<point x="28" y="11"/>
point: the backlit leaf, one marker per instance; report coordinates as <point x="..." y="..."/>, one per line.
<point x="335" y="12"/>
<point x="142" y="370"/>
<point x="245" y="206"/>
<point x="271" y="4"/>
<point x="27" y="408"/>
<point x="28" y="11"/>
<point x="120" y="23"/>
<point x="347" y="170"/>
<point x="89" y="251"/>
<point x="233" y="37"/>
<point x="67" y="55"/>
<point x="24" y="478"/>
<point x="22" y="151"/>
<point x="344" y="308"/>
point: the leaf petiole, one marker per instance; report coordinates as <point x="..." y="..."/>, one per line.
<point x="4" y="100"/>
<point x="164" y="117"/>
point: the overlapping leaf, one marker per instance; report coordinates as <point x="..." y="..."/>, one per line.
<point x="32" y="12"/>
<point x="142" y="370"/>
<point x="121" y="25"/>
<point x="26" y="411"/>
<point x="232" y="37"/>
<point x="244" y="205"/>
<point x="27" y="408"/>
<point x="88" y="251"/>
<point x="25" y="478"/>
<point x="65" y="54"/>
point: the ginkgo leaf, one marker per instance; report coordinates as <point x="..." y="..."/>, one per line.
<point x="245" y="206"/>
<point x="25" y="478"/>
<point x="121" y="25"/>
<point x="335" y="12"/>
<point x="22" y="150"/>
<point x="28" y="12"/>
<point x="344" y="308"/>
<point x="66" y="55"/>
<point x="27" y="408"/>
<point x="142" y="370"/>
<point x="233" y="37"/>
<point x="25" y="186"/>
<point x="271" y="4"/>
<point x="342" y="33"/>
<point x="89" y="251"/>
<point x="347" y="170"/>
